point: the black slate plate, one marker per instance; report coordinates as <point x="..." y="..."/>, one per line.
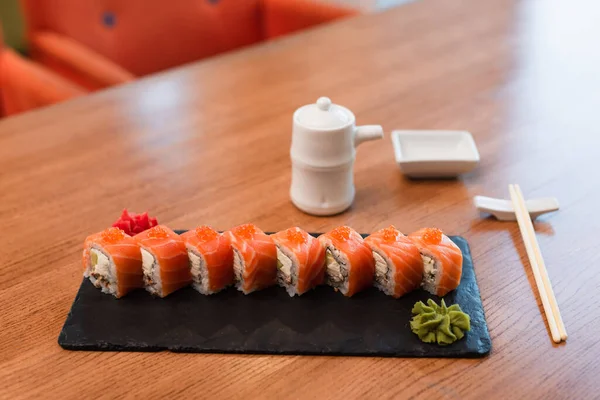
<point x="321" y="322"/>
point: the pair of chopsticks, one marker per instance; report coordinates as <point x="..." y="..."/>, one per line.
<point x="555" y="322"/>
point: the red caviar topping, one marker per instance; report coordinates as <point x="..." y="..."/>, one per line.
<point x="342" y="233"/>
<point x="246" y="231"/>
<point x="113" y="235"/>
<point x="206" y="233"/>
<point x="158" y="232"/>
<point x="390" y="234"/>
<point x="294" y="235"/>
<point x="432" y="235"/>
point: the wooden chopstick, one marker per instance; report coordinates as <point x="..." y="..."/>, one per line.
<point x="537" y="265"/>
<point x="542" y="266"/>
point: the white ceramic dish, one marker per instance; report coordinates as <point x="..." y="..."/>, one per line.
<point x="435" y="154"/>
<point x="503" y="210"/>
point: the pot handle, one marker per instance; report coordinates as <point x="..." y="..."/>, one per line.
<point x="367" y="132"/>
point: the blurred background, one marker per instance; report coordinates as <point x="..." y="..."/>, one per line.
<point x="55" y="50"/>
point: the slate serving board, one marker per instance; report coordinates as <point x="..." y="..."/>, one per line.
<point x="321" y="322"/>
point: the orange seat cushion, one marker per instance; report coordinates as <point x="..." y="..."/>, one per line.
<point x="26" y="86"/>
<point x="76" y="62"/>
<point x="284" y="16"/>
<point x="146" y="36"/>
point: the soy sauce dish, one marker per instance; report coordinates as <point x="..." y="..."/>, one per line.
<point x="434" y="154"/>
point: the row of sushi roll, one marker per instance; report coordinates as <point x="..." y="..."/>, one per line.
<point x="161" y="261"/>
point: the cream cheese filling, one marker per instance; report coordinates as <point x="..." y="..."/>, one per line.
<point x="238" y="266"/>
<point x="381" y="267"/>
<point x="334" y="269"/>
<point x="151" y="273"/>
<point x="100" y="263"/>
<point x="430" y="274"/>
<point x="284" y="264"/>
<point x="195" y="266"/>
<point x="102" y="274"/>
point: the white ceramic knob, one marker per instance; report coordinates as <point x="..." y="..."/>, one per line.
<point x="324" y="103"/>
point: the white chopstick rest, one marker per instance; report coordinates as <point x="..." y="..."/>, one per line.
<point x="555" y="322"/>
<point x="504" y="210"/>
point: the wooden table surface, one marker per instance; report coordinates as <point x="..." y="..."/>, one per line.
<point x="208" y="143"/>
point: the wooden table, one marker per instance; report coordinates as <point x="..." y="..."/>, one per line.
<point x="208" y="143"/>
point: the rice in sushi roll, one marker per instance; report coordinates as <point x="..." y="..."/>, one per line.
<point x="350" y="265"/>
<point x="398" y="262"/>
<point x="112" y="261"/>
<point x="164" y="260"/>
<point x="211" y="259"/>
<point x="300" y="260"/>
<point x="254" y="258"/>
<point x="442" y="260"/>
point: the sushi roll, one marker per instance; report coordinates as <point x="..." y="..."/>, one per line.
<point x="349" y="261"/>
<point x="112" y="261"/>
<point x="254" y="258"/>
<point x="442" y="260"/>
<point x="300" y="260"/>
<point x="398" y="262"/>
<point x="164" y="260"/>
<point x="211" y="259"/>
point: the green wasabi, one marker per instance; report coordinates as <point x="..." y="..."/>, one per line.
<point x="439" y="324"/>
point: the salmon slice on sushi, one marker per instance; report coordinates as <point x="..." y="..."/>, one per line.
<point x="442" y="260"/>
<point x="349" y="261"/>
<point x="398" y="262"/>
<point x="210" y="259"/>
<point x="164" y="260"/>
<point x="254" y="258"/>
<point x="112" y="261"/>
<point x="300" y="260"/>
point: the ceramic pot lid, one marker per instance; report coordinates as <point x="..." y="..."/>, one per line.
<point x="323" y="115"/>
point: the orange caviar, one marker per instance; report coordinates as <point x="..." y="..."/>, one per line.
<point x="294" y="235"/>
<point x="432" y="235"/>
<point x="390" y="234"/>
<point x="245" y="231"/>
<point x="113" y="235"/>
<point x="158" y="232"/>
<point x="342" y="233"/>
<point x="206" y="233"/>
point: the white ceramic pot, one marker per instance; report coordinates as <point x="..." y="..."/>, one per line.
<point x="324" y="138"/>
